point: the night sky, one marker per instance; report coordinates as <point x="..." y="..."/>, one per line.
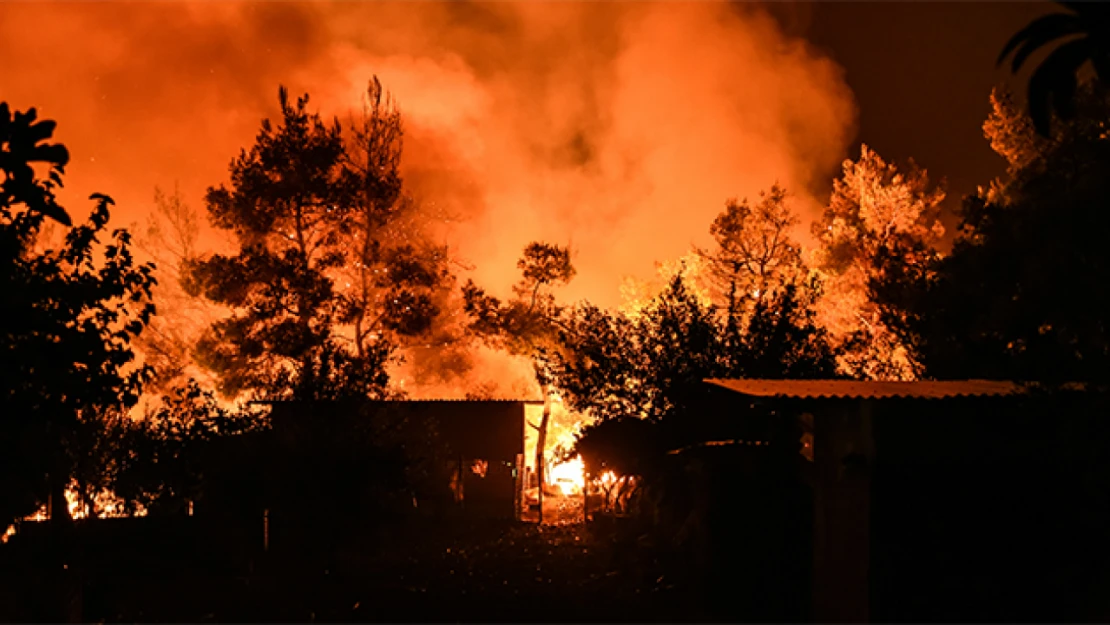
<point x="921" y="73"/>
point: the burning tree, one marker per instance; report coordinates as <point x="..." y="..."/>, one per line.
<point x="1010" y="133"/>
<point x="876" y="215"/>
<point x="70" y="315"/>
<point x="527" y="324"/>
<point x="756" y="252"/>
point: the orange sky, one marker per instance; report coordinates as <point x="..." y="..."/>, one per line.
<point x="620" y="128"/>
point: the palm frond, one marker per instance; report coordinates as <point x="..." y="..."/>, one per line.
<point x="1051" y="28"/>
<point x="1040" y="32"/>
<point x="1054" y="84"/>
<point x="1088" y="11"/>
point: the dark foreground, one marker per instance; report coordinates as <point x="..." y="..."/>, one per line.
<point x="475" y="572"/>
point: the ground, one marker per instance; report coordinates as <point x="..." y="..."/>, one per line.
<point x="478" y="572"/>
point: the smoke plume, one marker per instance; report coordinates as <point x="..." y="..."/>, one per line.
<point x="617" y="128"/>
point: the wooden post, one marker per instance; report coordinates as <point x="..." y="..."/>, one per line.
<point x="462" y="491"/>
<point x="266" y="529"/>
<point x="521" y="485"/>
<point x="585" y="495"/>
<point x="539" y="482"/>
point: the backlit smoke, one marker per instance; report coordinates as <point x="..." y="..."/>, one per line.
<point x="619" y="128"/>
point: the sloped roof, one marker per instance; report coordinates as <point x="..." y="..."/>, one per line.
<point x="492" y="430"/>
<point x="436" y="400"/>
<point x="856" y="389"/>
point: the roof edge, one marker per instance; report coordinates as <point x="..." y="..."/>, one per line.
<point x="867" y="389"/>
<point x="271" y="402"/>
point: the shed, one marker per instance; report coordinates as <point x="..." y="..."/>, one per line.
<point x="931" y="500"/>
<point x="478" y="444"/>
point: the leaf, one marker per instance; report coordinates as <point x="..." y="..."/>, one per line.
<point x="1037" y="34"/>
<point x="41" y="131"/>
<point x="55" y="212"/>
<point x="1053" y="85"/>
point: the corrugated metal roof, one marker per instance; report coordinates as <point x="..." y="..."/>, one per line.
<point x="404" y="401"/>
<point x="728" y="443"/>
<point x="856" y="389"/>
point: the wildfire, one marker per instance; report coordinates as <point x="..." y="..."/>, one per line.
<point x="569" y="476"/>
<point x="107" y="505"/>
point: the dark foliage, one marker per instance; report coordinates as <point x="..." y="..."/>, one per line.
<point x="157" y="463"/>
<point x="1085" y="31"/>
<point x="626" y="446"/>
<point x="24" y="144"/>
<point x="611" y="365"/>
<point x="398" y="282"/>
<point x="70" y="313"/>
<point x="1022" y="296"/>
<point x="290" y="201"/>
<point x="641" y="379"/>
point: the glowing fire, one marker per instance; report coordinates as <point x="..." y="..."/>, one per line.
<point x="569" y="476"/>
<point x="107" y="505"/>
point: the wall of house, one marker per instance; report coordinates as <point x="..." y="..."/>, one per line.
<point x="842" y="452"/>
<point x="468" y="449"/>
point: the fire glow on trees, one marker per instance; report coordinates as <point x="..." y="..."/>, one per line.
<point x="589" y="147"/>
<point x="510" y="137"/>
<point x="875" y="210"/>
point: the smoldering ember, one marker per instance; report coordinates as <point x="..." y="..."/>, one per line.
<point x="530" y="311"/>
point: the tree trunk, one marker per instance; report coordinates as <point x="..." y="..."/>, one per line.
<point x="541" y="441"/>
<point x="59" y="506"/>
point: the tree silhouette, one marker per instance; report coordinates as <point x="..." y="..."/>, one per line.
<point x="612" y="365"/>
<point x="1022" y="294"/>
<point x="336" y="270"/>
<point x="640" y="377"/>
<point x="157" y="463"/>
<point x="1086" y="31"/>
<point x="290" y="201"/>
<point x="23" y="139"/>
<point x="70" y="315"/>
<point x="398" y="279"/>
